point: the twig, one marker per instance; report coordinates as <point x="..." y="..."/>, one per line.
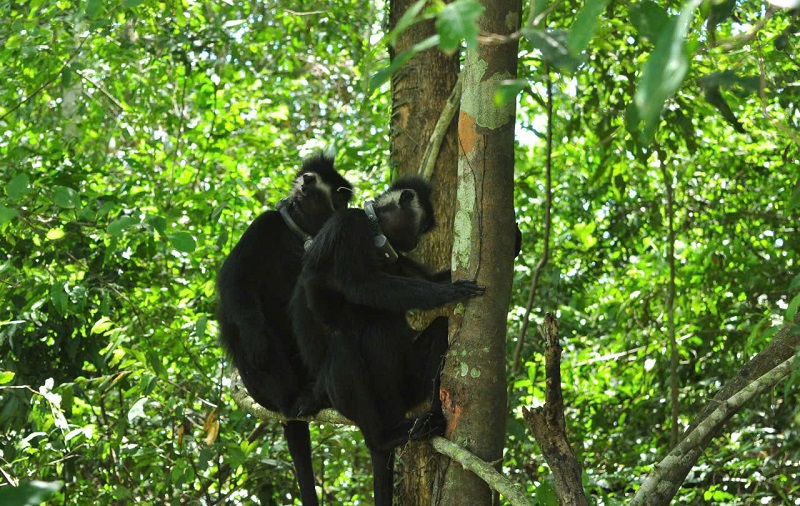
<point x="547" y="222"/>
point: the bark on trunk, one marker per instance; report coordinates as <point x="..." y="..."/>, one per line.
<point x="473" y="382"/>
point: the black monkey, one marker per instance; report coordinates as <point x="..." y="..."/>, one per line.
<point x="349" y="316"/>
<point x="255" y="284"/>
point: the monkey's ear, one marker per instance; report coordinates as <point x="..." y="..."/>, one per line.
<point x="407" y="196"/>
<point x="309" y="178"/>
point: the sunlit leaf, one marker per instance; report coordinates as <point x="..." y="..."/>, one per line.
<point x="183" y="242"/>
<point x="6" y="377"/>
<point x="116" y="227"/>
<point x="456" y="22"/>
<point x="137" y="410"/>
<point x="65" y="197"/>
<point x="584" y="26"/>
<point x="553" y="45"/>
<point x="18" y="186"/>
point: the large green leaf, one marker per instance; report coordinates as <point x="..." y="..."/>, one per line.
<point x="664" y="70"/>
<point x="584" y="26"/>
<point x="457" y="22"/>
<point x="553" y="46"/>
<point x="649" y="18"/>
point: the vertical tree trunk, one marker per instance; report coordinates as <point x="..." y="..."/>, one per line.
<point x="474" y="380"/>
<point x="419" y="91"/>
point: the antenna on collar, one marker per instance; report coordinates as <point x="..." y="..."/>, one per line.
<point x="382" y="244"/>
<point x="292" y="225"/>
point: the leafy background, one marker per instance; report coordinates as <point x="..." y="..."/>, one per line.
<point x="140" y="138"/>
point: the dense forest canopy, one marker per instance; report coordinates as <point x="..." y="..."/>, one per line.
<point x="138" y="139"/>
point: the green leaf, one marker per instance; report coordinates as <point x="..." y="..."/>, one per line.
<point x="59" y="298"/>
<point x="383" y="75"/>
<point x="508" y="91"/>
<point x="553" y="45"/>
<point x="18" y="186"/>
<point x="102" y="325"/>
<point x="792" y="309"/>
<point x="200" y="326"/>
<point x="649" y="19"/>
<point x="457" y="22"/>
<point x="183" y="242"/>
<point x="130" y="4"/>
<point x="93" y="8"/>
<point x="116" y="227"/>
<point x="65" y="197"/>
<point x="584" y="26"/>
<point x="7" y="214"/>
<point x="29" y="493"/>
<point x="158" y="223"/>
<point x="664" y="71"/>
<point x="408" y="18"/>
<point x="137" y="410"/>
<point x="6" y="377"/>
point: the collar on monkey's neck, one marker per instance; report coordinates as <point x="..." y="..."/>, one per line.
<point x="382" y="244"/>
<point x="294" y="227"/>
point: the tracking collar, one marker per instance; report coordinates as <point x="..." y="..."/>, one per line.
<point x="292" y="225"/>
<point x="382" y="244"/>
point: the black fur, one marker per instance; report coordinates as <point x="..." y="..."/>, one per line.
<point x="349" y="316"/>
<point x="255" y="284"/>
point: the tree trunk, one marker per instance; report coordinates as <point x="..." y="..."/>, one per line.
<point x="474" y="380"/>
<point x="419" y="92"/>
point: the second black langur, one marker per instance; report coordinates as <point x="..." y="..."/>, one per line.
<point x="349" y="316"/>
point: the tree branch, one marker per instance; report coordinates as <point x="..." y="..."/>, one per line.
<point x="440" y="130"/>
<point x="666" y="479"/>
<point x="660" y="487"/>
<point x="484" y="470"/>
<point x="468" y="460"/>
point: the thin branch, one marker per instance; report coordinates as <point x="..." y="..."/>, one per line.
<point x="515" y="364"/>
<point x="484" y="470"/>
<point x="440" y="130"/>
<point x="740" y="40"/>
<point x="102" y="90"/>
<point x="670" y="303"/>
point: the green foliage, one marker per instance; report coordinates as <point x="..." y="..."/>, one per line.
<point x="606" y="280"/>
<point x="139" y="140"/>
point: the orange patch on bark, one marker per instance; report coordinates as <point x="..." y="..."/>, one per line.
<point x="467" y="134"/>
<point x="452" y="412"/>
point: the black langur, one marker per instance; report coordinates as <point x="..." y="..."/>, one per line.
<point x="349" y="316"/>
<point x="255" y="285"/>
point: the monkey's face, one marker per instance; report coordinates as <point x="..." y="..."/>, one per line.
<point x="318" y="198"/>
<point x="400" y="217"/>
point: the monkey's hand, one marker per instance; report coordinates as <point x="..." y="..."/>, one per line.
<point x="468" y="288"/>
<point x="427" y="425"/>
